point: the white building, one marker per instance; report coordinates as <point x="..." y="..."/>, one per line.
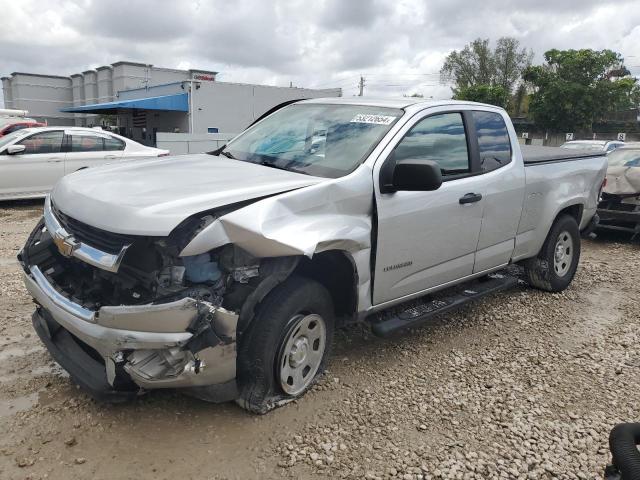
<point x="144" y="99"/>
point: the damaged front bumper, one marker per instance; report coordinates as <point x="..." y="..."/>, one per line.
<point x="116" y="352"/>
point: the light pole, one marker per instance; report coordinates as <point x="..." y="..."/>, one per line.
<point x="190" y="91"/>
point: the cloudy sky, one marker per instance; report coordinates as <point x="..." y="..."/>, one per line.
<point x="398" y="45"/>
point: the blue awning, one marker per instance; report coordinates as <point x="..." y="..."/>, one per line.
<point x="175" y="103"/>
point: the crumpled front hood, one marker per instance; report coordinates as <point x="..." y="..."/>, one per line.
<point x="623" y="180"/>
<point x="151" y="197"/>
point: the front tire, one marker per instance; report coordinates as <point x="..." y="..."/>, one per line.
<point x="555" y="265"/>
<point x="287" y="346"/>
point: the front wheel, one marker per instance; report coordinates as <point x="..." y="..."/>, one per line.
<point x="555" y="265"/>
<point x="287" y="346"/>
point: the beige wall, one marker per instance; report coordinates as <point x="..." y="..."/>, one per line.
<point x="43" y="96"/>
<point x="231" y="107"/>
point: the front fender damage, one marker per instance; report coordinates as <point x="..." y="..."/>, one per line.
<point x="332" y="215"/>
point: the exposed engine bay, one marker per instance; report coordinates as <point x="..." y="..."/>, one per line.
<point x="193" y="303"/>
<point x="151" y="272"/>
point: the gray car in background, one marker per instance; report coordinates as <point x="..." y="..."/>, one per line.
<point x="598" y="145"/>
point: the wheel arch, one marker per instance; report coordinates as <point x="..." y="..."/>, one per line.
<point x="334" y="269"/>
<point x="575" y="210"/>
<point x="337" y="272"/>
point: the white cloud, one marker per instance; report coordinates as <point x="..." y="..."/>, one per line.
<point x="398" y="46"/>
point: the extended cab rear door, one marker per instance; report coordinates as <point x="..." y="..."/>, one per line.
<point x="429" y="238"/>
<point x="503" y="178"/>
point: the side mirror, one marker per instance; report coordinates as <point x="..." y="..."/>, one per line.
<point x="15" y="149"/>
<point x="416" y="175"/>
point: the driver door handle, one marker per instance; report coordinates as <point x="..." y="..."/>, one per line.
<point x="470" y="198"/>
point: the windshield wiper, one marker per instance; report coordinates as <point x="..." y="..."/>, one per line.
<point x="288" y="166"/>
<point x="272" y="165"/>
<point x="228" y="155"/>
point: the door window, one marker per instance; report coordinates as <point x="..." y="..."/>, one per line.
<point x="95" y="143"/>
<point x="86" y="143"/>
<point x="112" y="143"/>
<point x="440" y="138"/>
<point x="493" y="140"/>
<point x="44" y="142"/>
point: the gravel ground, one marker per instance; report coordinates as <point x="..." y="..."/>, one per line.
<point x="524" y="385"/>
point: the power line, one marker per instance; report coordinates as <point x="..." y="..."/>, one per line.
<point x="404" y="85"/>
<point x="342" y="81"/>
<point x="403" y="75"/>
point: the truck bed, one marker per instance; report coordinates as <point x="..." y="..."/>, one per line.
<point x="535" y="155"/>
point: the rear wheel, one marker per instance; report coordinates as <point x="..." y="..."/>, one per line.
<point x="287" y="346"/>
<point x="555" y="265"/>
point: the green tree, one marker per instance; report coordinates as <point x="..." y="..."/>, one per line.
<point x="494" y="95"/>
<point x="480" y="73"/>
<point x="575" y="88"/>
<point x="519" y="100"/>
<point x="473" y="65"/>
<point x="510" y="61"/>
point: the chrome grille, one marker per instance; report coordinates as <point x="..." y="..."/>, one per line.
<point x="101" y="239"/>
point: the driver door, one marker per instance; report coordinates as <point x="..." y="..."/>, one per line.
<point x="429" y="238"/>
<point x="34" y="171"/>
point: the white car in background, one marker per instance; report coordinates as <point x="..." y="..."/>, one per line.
<point x="599" y="145"/>
<point x="32" y="160"/>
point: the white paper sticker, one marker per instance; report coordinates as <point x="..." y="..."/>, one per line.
<point x="375" y="119"/>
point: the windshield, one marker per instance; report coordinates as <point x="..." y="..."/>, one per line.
<point x="624" y="158"/>
<point x="7" y="139"/>
<point x="320" y="140"/>
<point x="583" y="146"/>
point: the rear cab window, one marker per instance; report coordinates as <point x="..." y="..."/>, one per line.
<point x="493" y="140"/>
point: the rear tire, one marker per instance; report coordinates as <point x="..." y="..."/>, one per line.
<point x="555" y="265"/>
<point x="287" y="346"/>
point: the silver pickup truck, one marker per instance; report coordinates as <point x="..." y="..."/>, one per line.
<point x="226" y="274"/>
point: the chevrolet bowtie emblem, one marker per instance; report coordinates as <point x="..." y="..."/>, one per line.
<point x="66" y="245"/>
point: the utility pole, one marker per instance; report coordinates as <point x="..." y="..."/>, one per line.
<point x="361" y="86"/>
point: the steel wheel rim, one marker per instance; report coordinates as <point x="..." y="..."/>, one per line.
<point x="563" y="254"/>
<point x="302" y="352"/>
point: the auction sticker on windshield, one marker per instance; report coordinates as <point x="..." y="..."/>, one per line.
<point x="376" y="119"/>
